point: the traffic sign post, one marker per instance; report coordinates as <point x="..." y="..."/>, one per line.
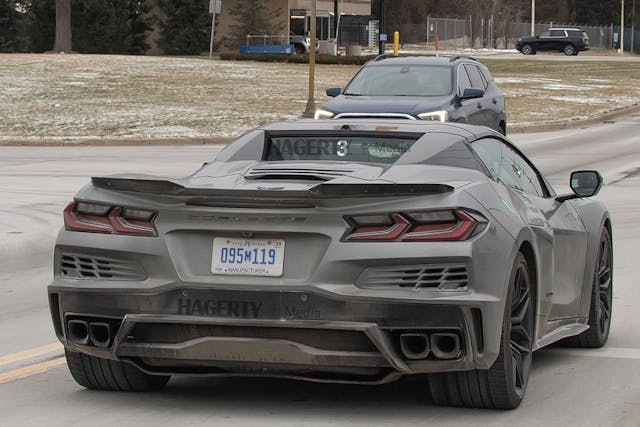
<point x="215" y="6"/>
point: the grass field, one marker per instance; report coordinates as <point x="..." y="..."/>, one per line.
<point x="103" y="96"/>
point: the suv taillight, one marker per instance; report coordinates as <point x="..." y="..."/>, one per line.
<point x="424" y="226"/>
<point x="98" y="218"/>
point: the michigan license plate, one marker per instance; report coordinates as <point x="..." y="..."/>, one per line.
<point x="249" y="257"/>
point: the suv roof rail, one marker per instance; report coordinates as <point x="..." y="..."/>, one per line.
<point x="384" y="56"/>
<point x="455" y="58"/>
<point x="564" y="29"/>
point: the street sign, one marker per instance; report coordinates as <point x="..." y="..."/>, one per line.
<point x="383" y="37"/>
<point x="215" y="5"/>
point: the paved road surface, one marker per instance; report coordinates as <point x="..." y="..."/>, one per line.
<point x="568" y="387"/>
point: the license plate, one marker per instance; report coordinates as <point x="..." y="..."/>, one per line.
<point x="249" y="257"/>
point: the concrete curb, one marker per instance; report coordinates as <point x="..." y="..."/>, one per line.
<point x="604" y="118"/>
<point x="109" y="142"/>
<point x="213" y="140"/>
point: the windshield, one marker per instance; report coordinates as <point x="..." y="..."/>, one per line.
<point x="346" y="148"/>
<point x="401" y="80"/>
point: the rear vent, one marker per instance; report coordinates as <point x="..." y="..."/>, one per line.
<point x="436" y="276"/>
<point x="296" y="173"/>
<point x="92" y="267"/>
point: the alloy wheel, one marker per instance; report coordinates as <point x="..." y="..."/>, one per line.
<point x="521" y="337"/>
<point x="603" y="277"/>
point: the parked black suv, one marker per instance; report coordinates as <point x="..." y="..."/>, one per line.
<point x="457" y="89"/>
<point x="567" y="40"/>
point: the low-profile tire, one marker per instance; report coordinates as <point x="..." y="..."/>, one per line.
<point x="527" y="49"/>
<point x="569" y="50"/>
<point x="601" y="299"/>
<point x="504" y="384"/>
<point x="103" y="374"/>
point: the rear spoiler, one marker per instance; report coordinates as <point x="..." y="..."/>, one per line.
<point x="325" y="190"/>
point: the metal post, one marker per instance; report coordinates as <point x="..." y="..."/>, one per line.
<point x="471" y="31"/>
<point x="633" y="24"/>
<point x="213" y="27"/>
<point x="621" y="27"/>
<point x="533" y="18"/>
<point x="380" y="26"/>
<point x="311" y="104"/>
<point x="428" y="29"/>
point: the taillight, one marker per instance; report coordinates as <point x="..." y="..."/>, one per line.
<point x="99" y="218"/>
<point x="446" y="225"/>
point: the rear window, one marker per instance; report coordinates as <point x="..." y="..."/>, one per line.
<point x="341" y="147"/>
<point x="401" y="80"/>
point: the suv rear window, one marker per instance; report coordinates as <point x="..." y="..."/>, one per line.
<point x="401" y="80"/>
<point x="338" y="147"/>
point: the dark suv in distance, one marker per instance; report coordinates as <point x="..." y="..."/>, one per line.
<point x="457" y="89"/>
<point x="567" y="40"/>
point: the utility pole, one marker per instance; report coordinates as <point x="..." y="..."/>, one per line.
<point x="533" y="18"/>
<point x="621" y="27"/>
<point x="311" y="104"/>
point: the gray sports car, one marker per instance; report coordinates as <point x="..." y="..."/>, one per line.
<point x="348" y="251"/>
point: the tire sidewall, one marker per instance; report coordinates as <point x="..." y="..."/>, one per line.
<point x="505" y="344"/>
<point x="595" y="290"/>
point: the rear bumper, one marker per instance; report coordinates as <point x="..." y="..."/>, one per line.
<point x="310" y="334"/>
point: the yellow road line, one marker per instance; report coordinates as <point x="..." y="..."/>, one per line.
<point x="31" y="370"/>
<point x="27" y="354"/>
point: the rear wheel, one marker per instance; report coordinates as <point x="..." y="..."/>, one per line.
<point x="527" y="49"/>
<point x="569" y="50"/>
<point x="504" y="384"/>
<point x="601" y="298"/>
<point x="104" y="374"/>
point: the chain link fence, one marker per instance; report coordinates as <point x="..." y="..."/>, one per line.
<point x="481" y="33"/>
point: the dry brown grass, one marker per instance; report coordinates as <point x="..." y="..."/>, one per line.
<point x="79" y="96"/>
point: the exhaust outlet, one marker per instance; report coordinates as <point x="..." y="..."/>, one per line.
<point x="100" y="334"/>
<point x="78" y="331"/>
<point x="414" y="346"/>
<point x="445" y="345"/>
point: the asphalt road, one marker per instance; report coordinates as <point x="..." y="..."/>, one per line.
<point x="567" y="387"/>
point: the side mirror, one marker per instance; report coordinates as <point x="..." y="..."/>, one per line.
<point x="470" y="93"/>
<point x="333" y="91"/>
<point x="583" y="184"/>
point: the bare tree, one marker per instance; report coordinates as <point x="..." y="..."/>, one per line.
<point x="63" y="26"/>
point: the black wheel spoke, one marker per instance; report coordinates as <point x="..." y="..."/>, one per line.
<point x="604" y="288"/>
<point x="521" y="329"/>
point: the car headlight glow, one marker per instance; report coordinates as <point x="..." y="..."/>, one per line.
<point x="440" y="116"/>
<point x="322" y="114"/>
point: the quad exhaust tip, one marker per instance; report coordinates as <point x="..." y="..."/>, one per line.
<point x="78" y="331"/>
<point x="414" y="346"/>
<point x="445" y="345"/>
<point x="100" y="334"/>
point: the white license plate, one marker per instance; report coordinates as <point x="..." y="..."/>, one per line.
<point x="249" y="257"/>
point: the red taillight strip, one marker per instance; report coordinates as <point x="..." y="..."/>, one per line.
<point x="406" y="229"/>
<point x="458" y="231"/>
<point x="87" y="224"/>
<point x="400" y="225"/>
<point x="122" y="226"/>
<point x="113" y="223"/>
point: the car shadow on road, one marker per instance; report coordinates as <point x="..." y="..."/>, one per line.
<point x="291" y="400"/>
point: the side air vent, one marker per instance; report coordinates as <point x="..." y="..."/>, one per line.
<point x="296" y="173"/>
<point x="436" y="277"/>
<point x="75" y="266"/>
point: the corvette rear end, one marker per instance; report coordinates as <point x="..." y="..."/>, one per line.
<point x="326" y="271"/>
